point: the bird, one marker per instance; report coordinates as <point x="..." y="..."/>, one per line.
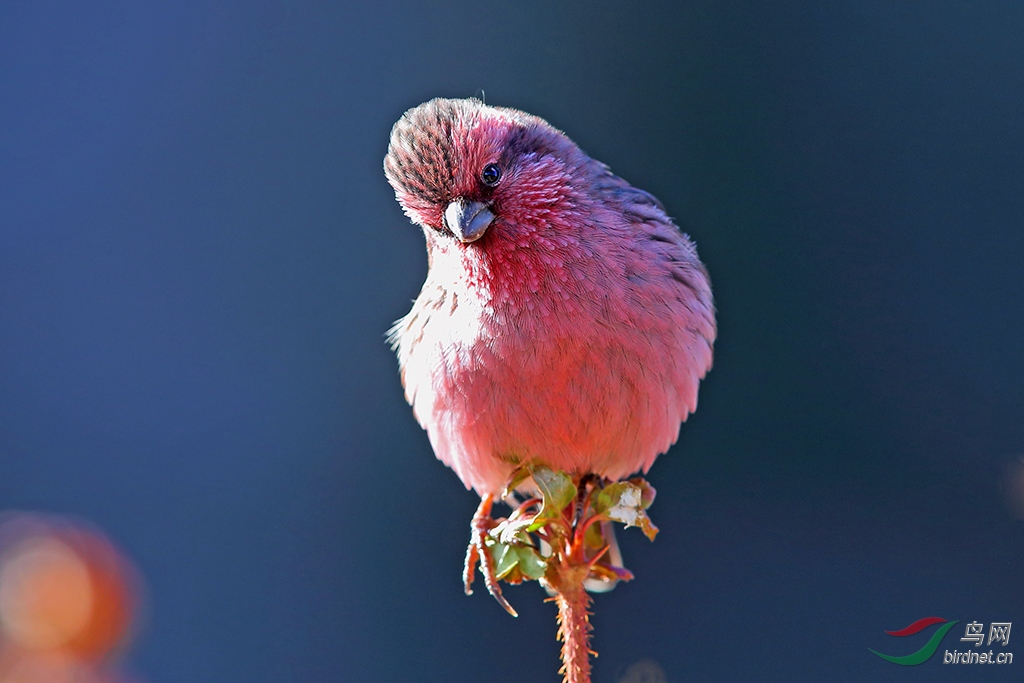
<point x="565" y="319"/>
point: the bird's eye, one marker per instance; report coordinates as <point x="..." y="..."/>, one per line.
<point x="490" y="175"/>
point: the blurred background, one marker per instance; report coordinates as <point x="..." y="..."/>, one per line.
<point x="199" y="257"/>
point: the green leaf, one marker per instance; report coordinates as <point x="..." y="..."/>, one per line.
<point x="647" y="491"/>
<point x="531" y="564"/>
<point x="620" y="501"/>
<point x="506" y="561"/>
<point x="594" y="538"/>
<point x="624" y="502"/>
<point x="556" y="488"/>
<point x="518" y="477"/>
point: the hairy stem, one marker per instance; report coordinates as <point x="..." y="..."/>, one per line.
<point x="566" y="580"/>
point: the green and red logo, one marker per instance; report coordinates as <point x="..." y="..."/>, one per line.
<point x="929" y="648"/>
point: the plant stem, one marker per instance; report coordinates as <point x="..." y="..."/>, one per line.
<point x="566" y="580"/>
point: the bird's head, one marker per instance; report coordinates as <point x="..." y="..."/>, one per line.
<point x="462" y="169"/>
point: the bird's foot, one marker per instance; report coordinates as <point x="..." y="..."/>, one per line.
<point x="478" y="551"/>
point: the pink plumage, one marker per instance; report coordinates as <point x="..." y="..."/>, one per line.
<point x="564" y="319"/>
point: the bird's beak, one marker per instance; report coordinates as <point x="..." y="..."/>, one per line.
<point x="468" y="220"/>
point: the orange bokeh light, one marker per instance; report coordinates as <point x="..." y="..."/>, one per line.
<point x="67" y="600"/>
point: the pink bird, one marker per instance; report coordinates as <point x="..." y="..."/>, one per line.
<point x="564" y="319"/>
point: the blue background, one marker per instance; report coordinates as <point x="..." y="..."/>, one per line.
<point x="199" y="256"/>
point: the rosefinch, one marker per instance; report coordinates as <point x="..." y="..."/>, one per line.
<point x="564" y="319"/>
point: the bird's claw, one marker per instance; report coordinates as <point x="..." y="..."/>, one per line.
<point x="478" y="552"/>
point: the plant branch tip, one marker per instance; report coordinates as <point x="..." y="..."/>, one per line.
<point x="562" y="536"/>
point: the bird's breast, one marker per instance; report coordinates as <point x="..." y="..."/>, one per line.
<point x="588" y="364"/>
